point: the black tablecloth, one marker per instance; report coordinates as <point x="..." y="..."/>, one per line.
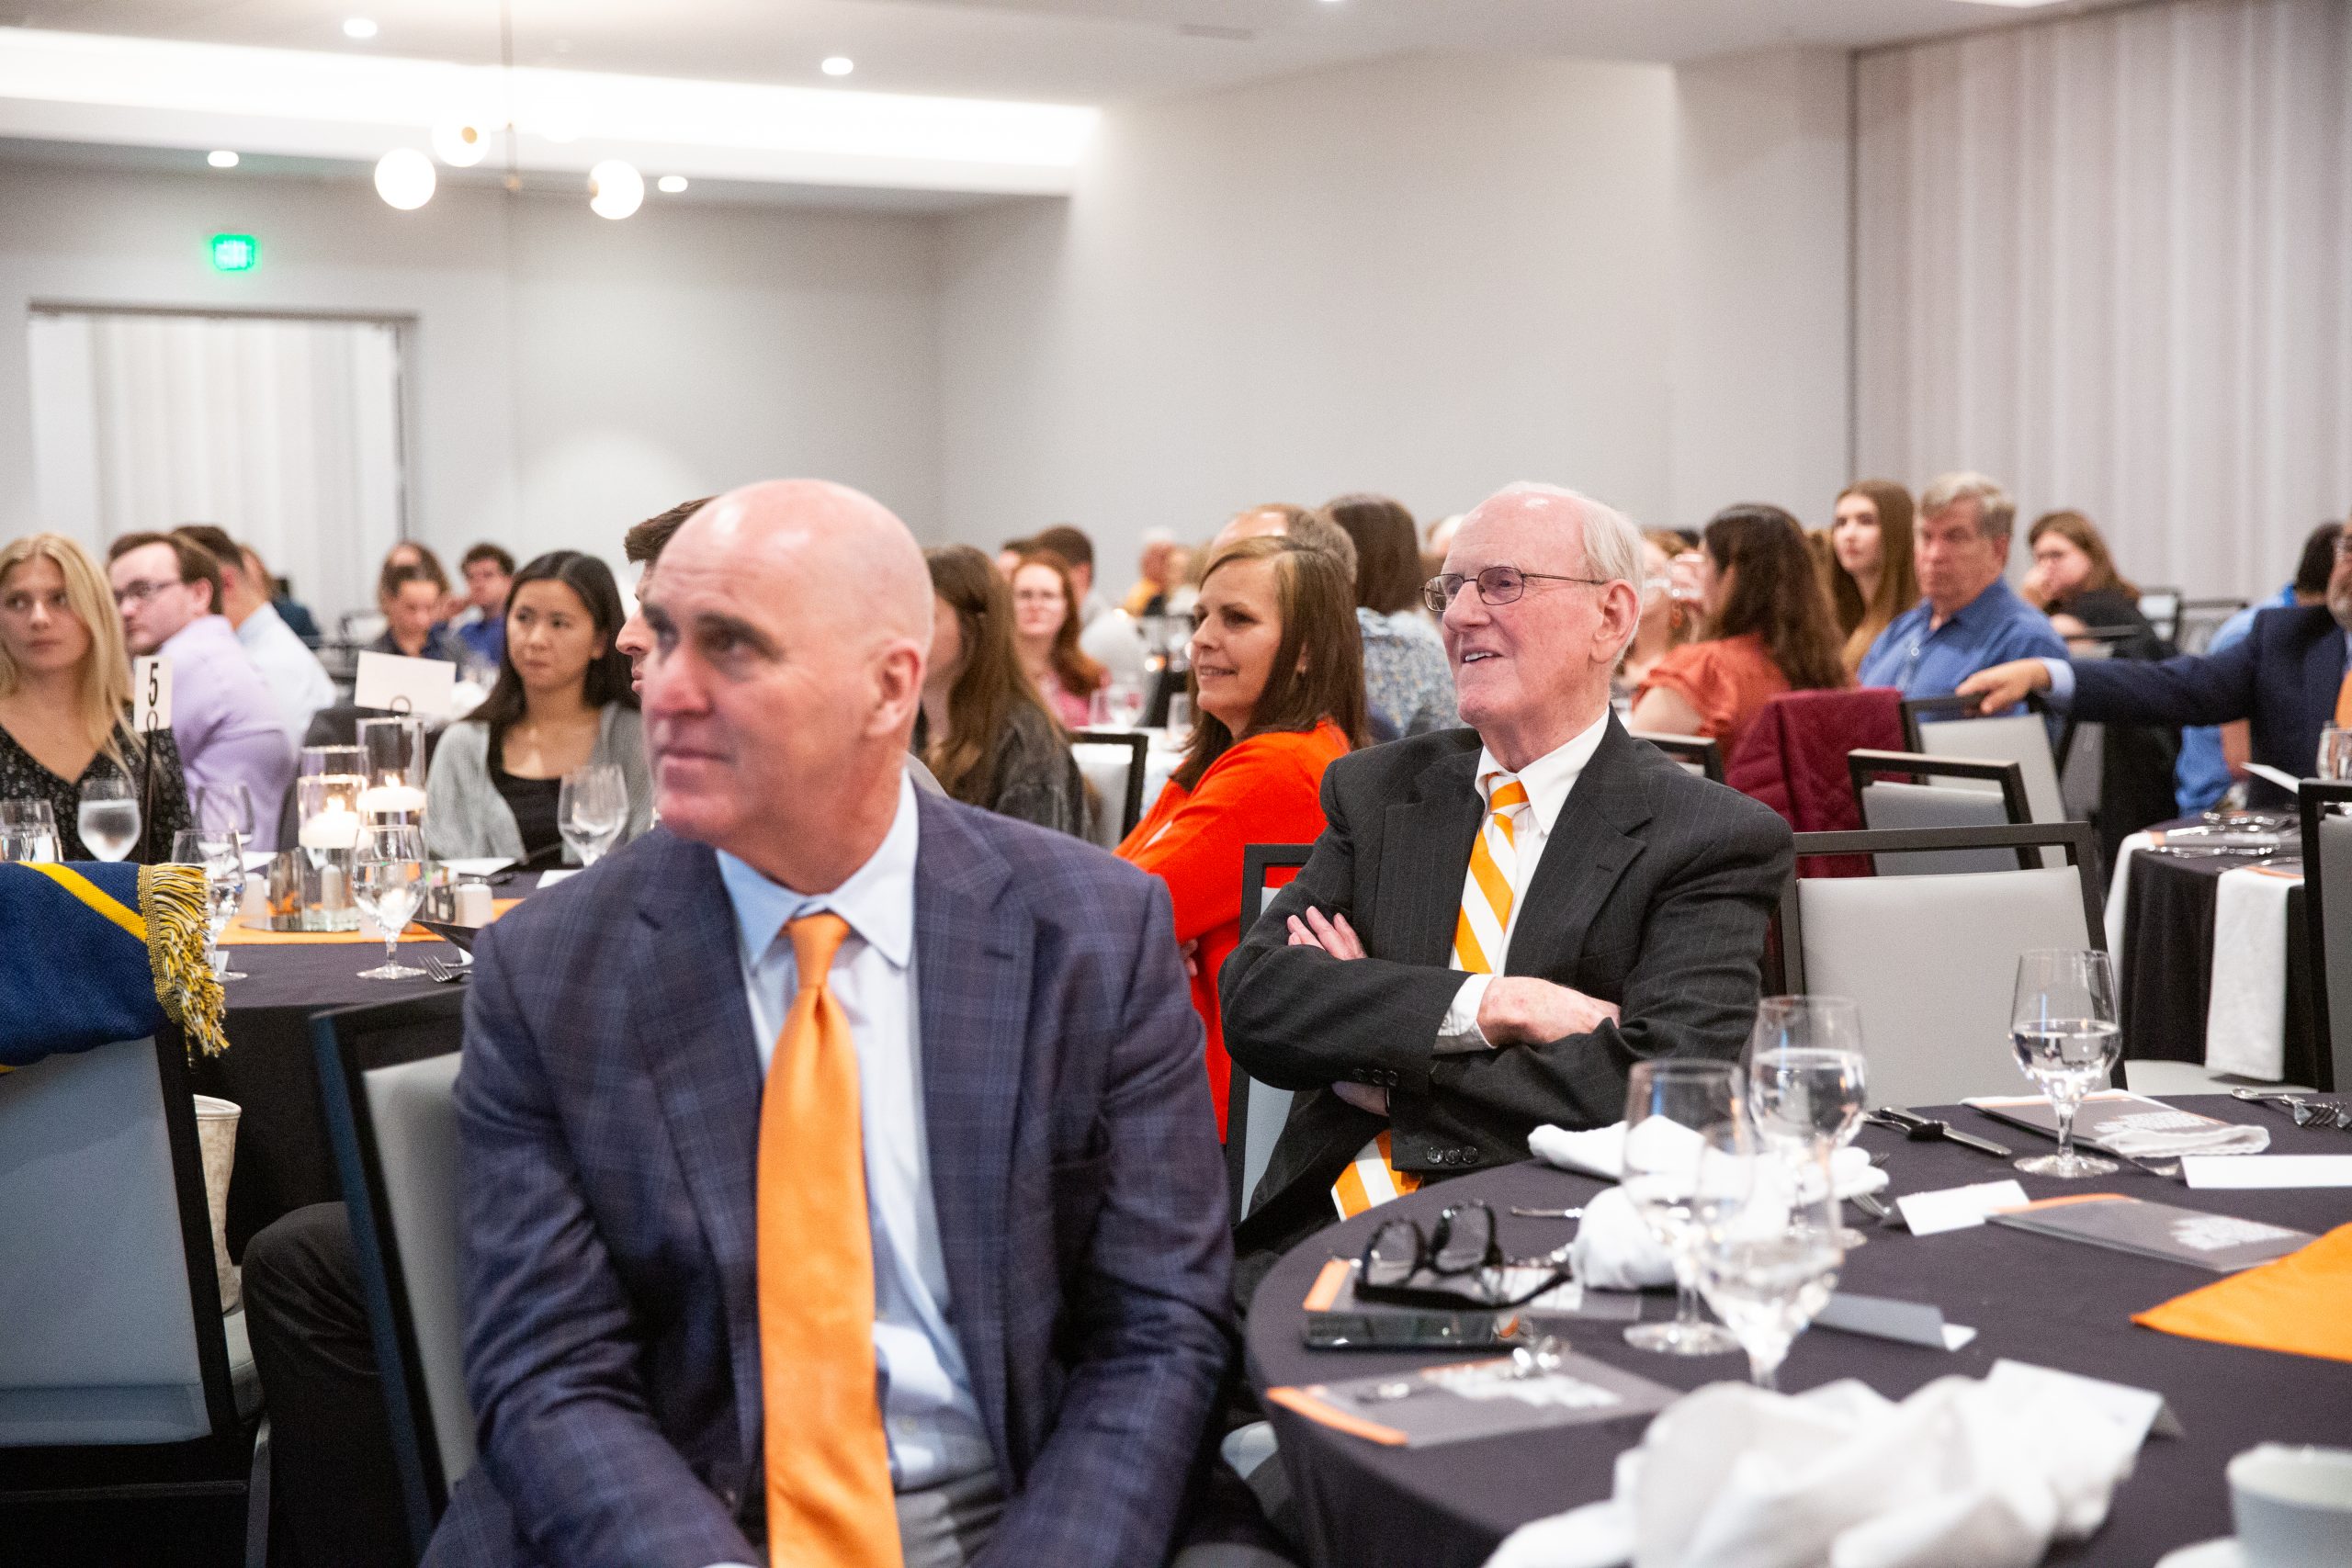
<point x="2168" y="970"/>
<point x="2032" y="1298"/>
<point x="283" y="1160"/>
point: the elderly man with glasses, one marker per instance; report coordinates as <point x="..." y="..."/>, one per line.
<point x="1498" y="921"/>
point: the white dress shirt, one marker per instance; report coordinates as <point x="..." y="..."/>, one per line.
<point x="930" y="1416"/>
<point x="295" y="677"/>
<point x="1548" y="780"/>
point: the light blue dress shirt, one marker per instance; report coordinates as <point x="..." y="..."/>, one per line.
<point x="929" y="1413"/>
<point x="1992" y="629"/>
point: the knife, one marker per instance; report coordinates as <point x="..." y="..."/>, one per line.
<point x="1926" y="1129"/>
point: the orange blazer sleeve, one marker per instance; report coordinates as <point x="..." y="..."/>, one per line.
<point x="1265" y="791"/>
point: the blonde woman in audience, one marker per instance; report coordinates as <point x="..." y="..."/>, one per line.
<point x="1766" y="631"/>
<point x="1277" y="683"/>
<point x="1870" y="574"/>
<point x="1666" y="619"/>
<point x="985" y="731"/>
<point x="66" y="696"/>
<point x="1045" y="634"/>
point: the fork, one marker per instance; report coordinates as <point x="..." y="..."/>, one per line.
<point x="1867" y="1202"/>
<point x="446" y="974"/>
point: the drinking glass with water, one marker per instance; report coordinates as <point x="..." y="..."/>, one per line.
<point x="109" y="817"/>
<point x="2065" y="1030"/>
<point x="387" y="883"/>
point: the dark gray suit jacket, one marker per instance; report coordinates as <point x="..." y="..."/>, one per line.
<point x="1653" y="893"/>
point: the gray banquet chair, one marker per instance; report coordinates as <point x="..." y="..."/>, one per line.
<point x="1255" y="1113"/>
<point x="2327" y="919"/>
<point x="1938" y="792"/>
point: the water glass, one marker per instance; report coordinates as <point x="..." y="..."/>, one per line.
<point x="224" y="808"/>
<point x="2064" y="1027"/>
<point x="1766" y="1245"/>
<point x="591" y="809"/>
<point x="109" y="819"/>
<point x="1806" y="1078"/>
<point x="388" y="882"/>
<point x="222" y="858"/>
<point x="1669" y="1105"/>
<point x="2335" y="754"/>
<point x="28" y="830"/>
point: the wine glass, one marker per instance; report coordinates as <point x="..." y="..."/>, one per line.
<point x="1667" y="1104"/>
<point x="28" y="830"/>
<point x="2335" y="754"/>
<point x="591" y="809"/>
<point x="2063" y="1027"/>
<point x="388" y="882"/>
<point x="1765" y="1243"/>
<point x="222" y="858"/>
<point x="109" y="819"/>
<point x="224" y="809"/>
<point x="1805" y="1078"/>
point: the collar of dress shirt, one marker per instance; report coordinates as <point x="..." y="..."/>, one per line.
<point x="877" y="899"/>
<point x="1550" y="777"/>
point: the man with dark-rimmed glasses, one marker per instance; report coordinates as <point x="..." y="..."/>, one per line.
<point x="1498" y="921"/>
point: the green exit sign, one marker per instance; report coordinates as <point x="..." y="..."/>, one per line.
<point x="235" y="253"/>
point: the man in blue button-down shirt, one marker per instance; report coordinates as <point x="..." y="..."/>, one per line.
<point x="1969" y="618"/>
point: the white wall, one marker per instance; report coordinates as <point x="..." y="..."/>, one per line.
<point x="1760" y="296"/>
<point x="570" y="375"/>
<point x="1425" y="277"/>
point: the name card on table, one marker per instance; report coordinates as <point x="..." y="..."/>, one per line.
<point x="151" y="694"/>
<point x="1958" y="1208"/>
<point x="2266" y="1170"/>
<point x="419" y="688"/>
<point x="2139" y="1413"/>
<point x="1882" y="1317"/>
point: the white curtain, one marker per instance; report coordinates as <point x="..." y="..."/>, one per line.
<point x="284" y="432"/>
<point x="2109" y="261"/>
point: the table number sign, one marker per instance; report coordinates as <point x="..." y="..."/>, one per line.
<point x="420" y="688"/>
<point x="151" y="694"/>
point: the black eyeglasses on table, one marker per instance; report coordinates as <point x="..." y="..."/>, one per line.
<point x="1497" y="585"/>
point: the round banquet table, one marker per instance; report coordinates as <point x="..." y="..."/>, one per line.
<point x="283" y="1160"/>
<point x="2166" y="968"/>
<point x="2054" y="1303"/>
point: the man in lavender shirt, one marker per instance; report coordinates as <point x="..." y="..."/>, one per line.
<point x="226" y="722"/>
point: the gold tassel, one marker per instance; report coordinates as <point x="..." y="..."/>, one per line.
<point x="174" y="901"/>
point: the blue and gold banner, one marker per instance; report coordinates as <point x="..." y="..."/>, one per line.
<point x="92" y="952"/>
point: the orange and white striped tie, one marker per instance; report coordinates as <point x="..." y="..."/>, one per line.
<point x="1478" y="933"/>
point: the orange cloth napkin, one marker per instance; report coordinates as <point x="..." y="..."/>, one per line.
<point x="240" y="934"/>
<point x="2295" y="1304"/>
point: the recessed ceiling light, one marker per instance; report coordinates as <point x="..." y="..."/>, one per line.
<point x="614" y="189"/>
<point x="838" y="65"/>
<point x="223" y="159"/>
<point x="358" y="26"/>
<point x="404" y="178"/>
<point x="671" y="184"/>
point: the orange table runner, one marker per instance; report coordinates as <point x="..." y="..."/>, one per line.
<point x="2297" y="1305"/>
<point x="240" y="934"/>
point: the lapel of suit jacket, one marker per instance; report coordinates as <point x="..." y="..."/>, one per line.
<point x="695" y="1026"/>
<point x="972" y="971"/>
<point x="1425" y="852"/>
<point x="1589" y="848"/>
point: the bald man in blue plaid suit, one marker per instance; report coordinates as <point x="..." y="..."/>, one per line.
<point x="1053" y="1333"/>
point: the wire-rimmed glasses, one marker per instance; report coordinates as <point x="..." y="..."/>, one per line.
<point x="1497" y="585"/>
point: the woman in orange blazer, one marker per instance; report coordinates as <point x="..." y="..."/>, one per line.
<point x="1277" y="684"/>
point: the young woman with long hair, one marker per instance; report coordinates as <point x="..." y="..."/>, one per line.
<point x="985" y="732"/>
<point x="1046" y="624"/>
<point x="1870" y="574"/>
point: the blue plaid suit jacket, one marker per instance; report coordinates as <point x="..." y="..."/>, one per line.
<point x="609" y="1102"/>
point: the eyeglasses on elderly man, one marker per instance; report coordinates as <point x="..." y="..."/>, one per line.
<point x="1497" y="585"/>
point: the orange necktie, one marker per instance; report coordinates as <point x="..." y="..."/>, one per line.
<point x="829" y="1501"/>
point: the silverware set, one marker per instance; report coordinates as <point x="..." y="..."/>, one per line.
<point x="2307" y="1112"/>
<point x="447" y="973"/>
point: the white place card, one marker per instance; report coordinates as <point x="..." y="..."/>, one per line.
<point x="2141" y="1412"/>
<point x="1882" y="1317"/>
<point x="151" y="694"/>
<point x="1958" y="1208"/>
<point x="2266" y="1170"/>
<point x="419" y="688"/>
<point x="549" y="878"/>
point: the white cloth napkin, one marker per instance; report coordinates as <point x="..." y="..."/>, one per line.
<point x="1614" y="1250"/>
<point x="1958" y="1476"/>
<point x="2245" y="1019"/>
<point x="1600" y="1151"/>
<point x="2150" y="1143"/>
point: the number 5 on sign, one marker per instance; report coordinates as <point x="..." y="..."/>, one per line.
<point x="151" y="694"/>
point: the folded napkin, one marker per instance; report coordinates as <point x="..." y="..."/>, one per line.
<point x="1615" y="1249"/>
<point x="1600" y="1151"/>
<point x="2295" y="1304"/>
<point x="2149" y="1143"/>
<point x="1958" y="1476"/>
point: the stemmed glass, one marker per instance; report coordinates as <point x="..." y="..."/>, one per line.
<point x="222" y="858"/>
<point x="2064" y="1027"/>
<point x="388" y="882"/>
<point x="28" y="830"/>
<point x="1805" y="1078"/>
<point x="591" y="809"/>
<point x="2335" y="761"/>
<point x="109" y="817"/>
<point x="1668" y="1105"/>
<point x="1765" y="1243"/>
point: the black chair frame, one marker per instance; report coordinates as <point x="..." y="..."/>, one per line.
<point x="1945" y="710"/>
<point x="2317" y="798"/>
<point x="1786" y="938"/>
<point x="346" y="1044"/>
<point x="1257" y="860"/>
<point x="1688" y="748"/>
<point x="1862" y="763"/>
<point x="1138" y="745"/>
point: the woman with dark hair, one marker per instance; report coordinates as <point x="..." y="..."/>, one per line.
<point x="1046" y="617"/>
<point x="984" y="731"/>
<point x="1407" y="685"/>
<point x="563" y="701"/>
<point x="1768" y="630"/>
<point x="1870" y="576"/>
<point x="1277" y="683"/>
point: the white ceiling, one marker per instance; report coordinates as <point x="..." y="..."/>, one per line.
<point x="1080" y="52"/>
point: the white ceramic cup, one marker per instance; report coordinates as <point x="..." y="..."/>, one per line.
<point x="2293" y="1505"/>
